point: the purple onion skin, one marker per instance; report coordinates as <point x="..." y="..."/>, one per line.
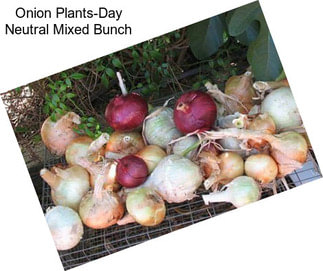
<point x="194" y="110"/>
<point x="132" y="171"/>
<point x="126" y="113"/>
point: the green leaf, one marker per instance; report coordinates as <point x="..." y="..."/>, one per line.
<point x="89" y="132"/>
<point x="77" y="75"/>
<point x="55" y="98"/>
<point x="110" y="73"/>
<point x="206" y="37"/>
<point x="135" y="54"/>
<point x="59" y="111"/>
<point x="63" y="87"/>
<point x="68" y="82"/>
<point x="70" y="95"/>
<point x="105" y="80"/>
<point x="262" y="54"/>
<point x="116" y="62"/>
<point x="250" y="34"/>
<point x="53" y="117"/>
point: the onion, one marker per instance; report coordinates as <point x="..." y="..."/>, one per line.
<point x="186" y="147"/>
<point x="281" y="106"/>
<point x="65" y="226"/>
<point x="100" y="208"/>
<point x="159" y="127"/>
<point x="125" y="143"/>
<point x="175" y="178"/>
<point x="240" y="87"/>
<point x="68" y="186"/>
<point x="194" y="110"/>
<point x="261" y="167"/>
<point x="240" y="191"/>
<point x="151" y="154"/>
<point x="57" y="135"/>
<point x="126" y="112"/>
<point x="77" y="149"/>
<point x="146" y="206"/>
<point x="229" y="166"/>
<point x="289" y="149"/>
<point x="208" y="159"/>
<point x="132" y="171"/>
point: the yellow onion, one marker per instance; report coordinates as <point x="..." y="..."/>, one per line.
<point x="261" y="167"/>
<point x="240" y="87"/>
<point x="151" y="154"/>
<point x="77" y="149"/>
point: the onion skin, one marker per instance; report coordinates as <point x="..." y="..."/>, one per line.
<point x="126" y="113"/>
<point x="183" y="146"/>
<point x="68" y="186"/>
<point x="77" y="149"/>
<point x="281" y="106"/>
<point x="159" y="127"/>
<point x="151" y="154"/>
<point x="231" y="166"/>
<point x="146" y="206"/>
<point x="240" y="87"/>
<point x="101" y="211"/>
<point x="175" y="178"/>
<point x="195" y="110"/>
<point x="208" y="159"/>
<point x="65" y="226"/>
<point x="125" y="142"/>
<point x="57" y="135"/>
<point x="261" y="167"/>
<point x="132" y="171"/>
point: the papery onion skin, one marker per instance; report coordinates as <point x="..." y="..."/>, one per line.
<point x="151" y="154"/>
<point x="195" y="110"/>
<point x="208" y="158"/>
<point x="146" y="206"/>
<point x="181" y="147"/>
<point x="159" y="127"/>
<point x="132" y="171"/>
<point x="77" y="149"/>
<point x="65" y="226"/>
<point x="281" y="106"/>
<point x="261" y="167"/>
<point x="68" y="186"/>
<point x="126" y="113"/>
<point x="57" y="135"/>
<point x="125" y="142"/>
<point x="102" y="211"/>
<point x="175" y="178"/>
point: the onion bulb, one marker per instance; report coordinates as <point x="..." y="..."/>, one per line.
<point x="65" y="226"/>
<point x="187" y="146"/>
<point x="261" y="167"/>
<point x="240" y="87"/>
<point x="175" y="178"/>
<point x="127" y="111"/>
<point x="151" y="154"/>
<point x="159" y="127"/>
<point x="68" y="186"/>
<point x="125" y="143"/>
<point x="229" y="166"/>
<point x="240" y="191"/>
<point x="281" y="106"/>
<point x="100" y="208"/>
<point x="194" y="110"/>
<point x="132" y="171"/>
<point x="77" y="149"/>
<point x="208" y="159"/>
<point x="146" y="206"/>
<point x="57" y="135"/>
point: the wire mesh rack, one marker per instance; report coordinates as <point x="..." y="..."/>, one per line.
<point x="99" y="243"/>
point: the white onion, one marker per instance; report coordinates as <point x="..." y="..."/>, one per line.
<point x="281" y="106"/>
<point x="68" y="186"/>
<point x="186" y="147"/>
<point x="77" y="149"/>
<point x="175" y="178"/>
<point x="65" y="226"/>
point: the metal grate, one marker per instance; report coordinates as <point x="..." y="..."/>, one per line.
<point x="99" y="243"/>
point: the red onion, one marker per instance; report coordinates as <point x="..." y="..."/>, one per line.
<point x="194" y="110"/>
<point x="131" y="171"/>
<point x="126" y="112"/>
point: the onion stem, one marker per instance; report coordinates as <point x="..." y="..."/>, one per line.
<point x="49" y="177"/>
<point x="122" y="85"/>
<point x="218" y="196"/>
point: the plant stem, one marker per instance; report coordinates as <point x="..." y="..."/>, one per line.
<point x="122" y="85"/>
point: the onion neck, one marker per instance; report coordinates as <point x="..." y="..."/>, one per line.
<point x="218" y="196"/>
<point x="122" y="85"/>
<point x="50" y="178"/>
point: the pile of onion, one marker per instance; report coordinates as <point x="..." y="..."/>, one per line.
<point x="65" y="226"/>
<point x="195" y="110"/>
<point x="68" y="186"/>
<point x="146" y="206"/>
<point x="57" y="135"/>
<point x="127" y="111"/>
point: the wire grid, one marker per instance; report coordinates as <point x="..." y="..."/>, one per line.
<point x="99" y="243"/>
